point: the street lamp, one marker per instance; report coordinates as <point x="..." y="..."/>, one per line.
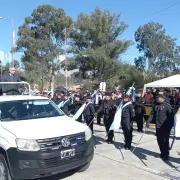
<point x="12" y="26"/>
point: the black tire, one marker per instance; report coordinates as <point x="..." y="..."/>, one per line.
<point x="84" y="167"/>
<point x="4" y="170"/>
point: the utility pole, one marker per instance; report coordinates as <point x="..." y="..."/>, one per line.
<point x="66" y="56"/>
<point x="66" y="33"/>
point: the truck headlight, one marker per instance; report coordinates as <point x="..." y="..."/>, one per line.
<point x="88" y="134"/>
<point x="27" y="145"/>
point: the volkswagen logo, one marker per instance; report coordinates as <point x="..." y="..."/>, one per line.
<point x="65" y="142"/>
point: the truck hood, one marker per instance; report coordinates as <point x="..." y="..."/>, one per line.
<point x="44" y="128"/>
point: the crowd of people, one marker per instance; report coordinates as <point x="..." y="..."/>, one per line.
<point x="103" y="105"/>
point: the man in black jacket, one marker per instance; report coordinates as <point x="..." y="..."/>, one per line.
<point x="89" y="112"/>
<point x="76" y="106"/>
<point x="128" y="114"/>
<point x="139" y="111"/>
<point x="108" y="108"/>
<point x="10" y="89"/>
<point x="162" y="113"/>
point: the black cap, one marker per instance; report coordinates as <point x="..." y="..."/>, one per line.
<point x="108" y="94"/>
<point x="76" y="96"/>
<point x="161" y="96"/>
<point x="88" y="97"/>
<point x="62" y="92"/>
<point x="161" y="90"/>
<point x="167" y="90"/>
<point x="125" y="96"/>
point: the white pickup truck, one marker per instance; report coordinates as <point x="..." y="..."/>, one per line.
<point x="37" y="140"/>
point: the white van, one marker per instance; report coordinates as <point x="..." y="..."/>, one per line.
<point x="37" y="140"/>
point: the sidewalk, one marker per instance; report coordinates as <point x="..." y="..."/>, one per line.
<point x="145" y="156"/>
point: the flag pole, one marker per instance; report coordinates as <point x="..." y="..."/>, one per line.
<point x="174" y="138"/>
<point x="13" y="38"/>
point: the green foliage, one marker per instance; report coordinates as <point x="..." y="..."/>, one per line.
<point x="158" y="48"/>
<point x="41" y="38"/>
<point x="96" y="45"/>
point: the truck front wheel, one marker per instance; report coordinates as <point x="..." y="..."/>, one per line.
<point x="4" y="170"/>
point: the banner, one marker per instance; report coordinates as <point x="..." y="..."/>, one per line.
<point x="117" y="118"/>
<point x="177" y="124"/>
<point x="102" y="86"/>
<point x="79" y="112"/>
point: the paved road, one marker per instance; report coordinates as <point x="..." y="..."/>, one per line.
<point x="144" y="163"/>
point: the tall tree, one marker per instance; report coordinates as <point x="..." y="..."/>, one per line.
<point x="96" y="44"/>
<point x="158" y="48"/>
<point x="41" y="38"/>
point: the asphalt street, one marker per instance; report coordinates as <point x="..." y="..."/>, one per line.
<point x="113" y="162"/>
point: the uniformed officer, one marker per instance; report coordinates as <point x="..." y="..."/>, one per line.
<point x="169" y="98"/>
<point x="108" y="108"/>
<point x="89" y="112"/>
<point x="139" y="111"/>
<point x="66" y="105"/>
<point x="76" y="106"/>
<point x="162" y="113"/>
<point x="128" y="114"/>
<point x="57" y="98"/>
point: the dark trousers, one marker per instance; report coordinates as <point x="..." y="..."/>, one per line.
<point x="163" y="135"/>
<point x="107" y="122"/>
<point x="127" y="136"/>
<point x="99" y="116"/>
<point x="139" y="121"/>
<point x="89" y="122"/>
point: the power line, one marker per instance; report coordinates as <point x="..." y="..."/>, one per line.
<point x="160" y="11"/>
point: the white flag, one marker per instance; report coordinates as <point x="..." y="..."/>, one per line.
<point x="177" y="124"/>
<point x="79" y="112"/>
<point x="117" y="118"/>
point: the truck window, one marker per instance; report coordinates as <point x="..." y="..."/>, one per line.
<point x="28" y="109"/>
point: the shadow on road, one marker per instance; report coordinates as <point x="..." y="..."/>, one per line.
<point x="142" y="154"/>
<point x="98" y="140"/>
<point x="60" y="176"/>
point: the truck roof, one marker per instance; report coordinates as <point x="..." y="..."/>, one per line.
<point x="21" y="97"/>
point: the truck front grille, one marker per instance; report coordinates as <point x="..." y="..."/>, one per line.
<point x="54" y="144"/>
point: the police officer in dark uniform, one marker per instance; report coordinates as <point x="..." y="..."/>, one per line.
<point x="89" y="112"/>
<point x="139" y="111"/>
<point x="162" y="113"/>
<point x="169" y="98"/>
<point x="118" y="99"/>
<point x="57" y="98"/>
<point x="108" y="108"/>
<point x="100" y="114"/>
<point x="128" y="114"/>
<point x="65" y="107"/>
<point x="76" y="106"/>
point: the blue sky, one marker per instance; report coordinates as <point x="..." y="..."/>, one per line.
<point x="133" y="12"/>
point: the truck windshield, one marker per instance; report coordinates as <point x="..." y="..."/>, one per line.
<point x="28" y="109"/>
